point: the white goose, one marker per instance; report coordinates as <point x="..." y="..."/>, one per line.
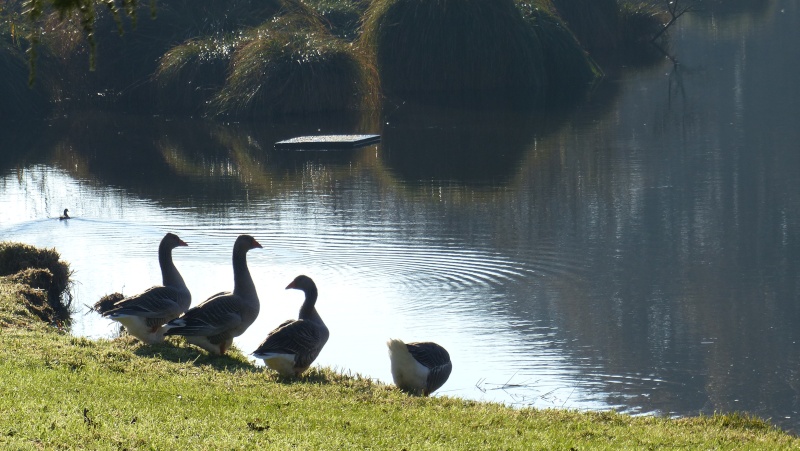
<point x="419" y="368"/>
<point x="294" y="345"/>
<point x="144" y="314"/>
<point x="214" y="323"/>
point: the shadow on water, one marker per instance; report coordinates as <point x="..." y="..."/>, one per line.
<point x="180" y="161"/>
<point x="472" y="147"/>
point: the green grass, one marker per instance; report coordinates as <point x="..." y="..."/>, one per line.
<point x="65" y="392"/>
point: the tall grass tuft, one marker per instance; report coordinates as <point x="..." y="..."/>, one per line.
<point x="639" y="23"/>
<point x="190" y="74"/>
<point x="293" y="64"/>
<point x="569" y="68"/>
<point x="594" y="22"/>
<point x="455" y="51"/>
<point x="341" y="17"/>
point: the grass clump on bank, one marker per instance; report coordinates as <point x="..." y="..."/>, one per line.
<point x="41" y="280"/>
<point x="66" y="392"/>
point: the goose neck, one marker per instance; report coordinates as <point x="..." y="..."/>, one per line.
<point x="169" y="273"/>
<point x="242" y="281"/>
<point x="308" y="310"/>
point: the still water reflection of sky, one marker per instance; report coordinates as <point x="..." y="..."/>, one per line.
<point x="640" y="253"/>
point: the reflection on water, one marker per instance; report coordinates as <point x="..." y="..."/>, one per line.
<point x="642" y="253"/>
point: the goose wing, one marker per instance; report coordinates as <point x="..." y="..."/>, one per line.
<point x="436" y="359"/>
<point x="293" y="337"/>
<point x="216" y="315"/>
<point x="155" y="302"/>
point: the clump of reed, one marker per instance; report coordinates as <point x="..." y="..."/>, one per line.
<point x="640" y="23"/>
<point x="341" y="17"/>
<point x="44" y="275"/>
<point x="455" y="51"/>
<point x="191" y="73"/>
<point x="594" y="22"/>
<point x="293" y="64"/>
<point x="569" y="68"/>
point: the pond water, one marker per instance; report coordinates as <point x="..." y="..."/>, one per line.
<point x="641" y="252"/>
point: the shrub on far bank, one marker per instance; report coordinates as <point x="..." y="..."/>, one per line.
<point x="614" y="30"/>
<point x="639" y="22"/>
<point x="455" y="52"/>
<point x="594" y="22"/>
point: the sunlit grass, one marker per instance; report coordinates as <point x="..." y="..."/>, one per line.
<point x="65" y="392"/>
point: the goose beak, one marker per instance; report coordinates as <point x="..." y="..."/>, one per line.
<point x="257" y="244"/>
<point x="291" y="285"/>
<point x="182" y="243"/>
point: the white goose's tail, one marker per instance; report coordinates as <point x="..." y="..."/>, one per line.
<point x="407" y="373"/>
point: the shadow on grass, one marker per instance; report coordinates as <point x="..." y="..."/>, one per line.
<point x="174" y="352"/>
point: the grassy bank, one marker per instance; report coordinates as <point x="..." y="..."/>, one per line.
<point x="61" y="391"/>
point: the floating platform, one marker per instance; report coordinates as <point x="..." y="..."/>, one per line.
<point x="328" y="142"/>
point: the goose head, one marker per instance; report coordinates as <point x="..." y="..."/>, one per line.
<point x="171" y="241"/>
<point x="244" y="243"/>
<point x="302" y="283"/>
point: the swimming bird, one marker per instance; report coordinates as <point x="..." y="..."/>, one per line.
<point x="294" y="345"/>
<point x="65" y="215"/>
<point x="214" y="323"/>
<point x="145" y="313"/>
<point x="419" y="368"/>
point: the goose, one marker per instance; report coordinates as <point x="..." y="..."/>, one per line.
<point x="144" y="314"/>
<point x="294" y="345"/>
<point x="419" y="368"/>
<point x="213" y="324"/>
<point x="65" y="215"/>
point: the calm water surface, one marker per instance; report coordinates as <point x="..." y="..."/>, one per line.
<point x="640" y="253"/>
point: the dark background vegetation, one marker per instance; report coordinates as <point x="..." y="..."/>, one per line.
<point x="259" y="59"/>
